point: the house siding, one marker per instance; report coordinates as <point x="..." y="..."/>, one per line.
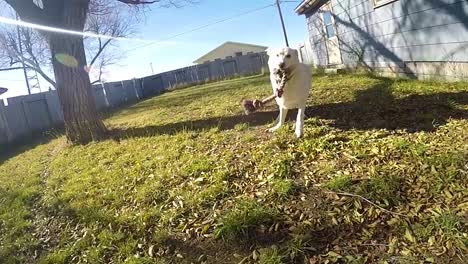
<point x="317" y="40"/>
<point x="397" y="36"/>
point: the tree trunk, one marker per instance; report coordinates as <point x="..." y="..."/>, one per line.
<point x="82" y="122"/>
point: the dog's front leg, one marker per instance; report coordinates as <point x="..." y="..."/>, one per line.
<point x="282" y="118"/>
<point x="300" y="122"/>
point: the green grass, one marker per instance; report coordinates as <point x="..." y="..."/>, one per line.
<point x="269" y="256"/>
<point x="242" y="220"/>
<point x="281" y="187"/>
<point x="339" y="183"/>
<point x="187" y="178"/>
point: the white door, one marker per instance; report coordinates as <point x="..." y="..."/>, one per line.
<point x="332" y="42"/>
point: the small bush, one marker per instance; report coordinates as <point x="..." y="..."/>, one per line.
<point x="282" y="188"/>
<point x="241" y="127"/>
<point x="339" y="183"/>
<point x="382" y="188"/>
<point x="243" y="219"/>
<point x="449" y="223"/>
<point x="269" y="256"/>
<point x="284" y="166"/>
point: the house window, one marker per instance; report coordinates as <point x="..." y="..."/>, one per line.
<point x="328" y="21"/>
<point x="379" y="3"/>
<point x="239" y="53"/>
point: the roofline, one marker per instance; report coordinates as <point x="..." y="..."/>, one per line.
<point x="245" y="44"/>
<point x="305" y="6"/>
<point x="225" y="43"/>
<point x="3" y="90"/>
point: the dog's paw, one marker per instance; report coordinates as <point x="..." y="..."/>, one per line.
<point x="273" y="129"/>
<point x="299" y="133"/>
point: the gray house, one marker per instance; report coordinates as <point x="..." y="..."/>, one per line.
<point x="417" y="38"/>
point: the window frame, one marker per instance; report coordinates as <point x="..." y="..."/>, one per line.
<point x="381" y="3"/>
<point x="332" y="23"/>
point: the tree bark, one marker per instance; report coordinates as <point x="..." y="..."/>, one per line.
<point x="82" y="121"/>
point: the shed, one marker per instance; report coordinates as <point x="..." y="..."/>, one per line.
<point x="418" y="38"/>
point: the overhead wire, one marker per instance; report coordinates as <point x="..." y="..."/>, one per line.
<point x="149" y="42"/>
<point x="202" y="27"/>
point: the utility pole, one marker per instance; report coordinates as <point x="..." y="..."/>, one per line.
<point x="282" y="23"/>
<point x="20" y="46"/>
<point x="151" y="65"/>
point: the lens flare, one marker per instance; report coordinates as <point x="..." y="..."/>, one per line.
<point x="67" y="60"/>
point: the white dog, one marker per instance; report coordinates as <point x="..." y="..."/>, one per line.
<point x="297" y="87"/>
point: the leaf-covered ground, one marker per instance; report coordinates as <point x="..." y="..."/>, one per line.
<point x="380" y="176"/>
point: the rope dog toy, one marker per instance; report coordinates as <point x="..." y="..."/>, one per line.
<point x="282" y="76"/>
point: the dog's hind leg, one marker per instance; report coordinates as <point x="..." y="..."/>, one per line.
<point x="300" y="122"/>
<point x="281" y="119"/>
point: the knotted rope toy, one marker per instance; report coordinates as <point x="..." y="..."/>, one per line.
<point x="282" y="76"/>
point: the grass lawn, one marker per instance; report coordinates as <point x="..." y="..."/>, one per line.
<point x="380" y="176"/>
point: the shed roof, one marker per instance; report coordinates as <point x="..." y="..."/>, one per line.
<point x="306" y="5"/>
<point x="202" y="58"/>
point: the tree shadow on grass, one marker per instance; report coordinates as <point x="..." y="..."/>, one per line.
<point x="28" y="142"/>
<point x="222" y="123"/>
<point x="314" y="243"/>
<point x="374" y="108"/>
<point x="378" y="108"/>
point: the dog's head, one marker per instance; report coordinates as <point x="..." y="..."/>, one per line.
<point x="284" y="58"/>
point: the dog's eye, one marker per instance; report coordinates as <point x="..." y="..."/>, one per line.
<point x="288" y="56"/>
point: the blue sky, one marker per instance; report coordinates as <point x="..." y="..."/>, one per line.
<point x="262" y="27"/>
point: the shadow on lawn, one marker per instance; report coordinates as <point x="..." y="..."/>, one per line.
<point x="28" y="142"/>
<point x="374" y="108"/>
<point x="377" y="108"/>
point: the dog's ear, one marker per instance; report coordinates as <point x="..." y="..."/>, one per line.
<point x="296" y="53"/>
<point x="270" y="51"/>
